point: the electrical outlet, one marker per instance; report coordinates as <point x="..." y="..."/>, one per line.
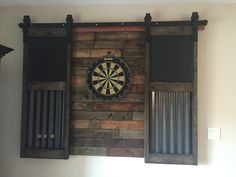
<point x="214" y="134"/>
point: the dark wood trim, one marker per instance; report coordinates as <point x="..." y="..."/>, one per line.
<point x="171" y="30"/>
<point x="171" y="86"/>
<point x="48" y="32"/>
<point x="109" y="29"/>
<point x="67" y="107"/>
<point x="194" y="19"/>
<point x="194" y="110"/>
<point x="47" y="85"/>
<point x="24" y="101"/>
<point x="170" y="159"/>
<point x="147" y="19"/>
<point x="45" y="153"/>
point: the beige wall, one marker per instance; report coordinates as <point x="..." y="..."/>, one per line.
<point x="217" y="93"/>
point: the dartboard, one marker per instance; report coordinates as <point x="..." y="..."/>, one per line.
<point x="108" y="78"/>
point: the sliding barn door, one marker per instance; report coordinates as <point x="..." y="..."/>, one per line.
<point x="171" y="92"/>
<point x="46" y="90"/>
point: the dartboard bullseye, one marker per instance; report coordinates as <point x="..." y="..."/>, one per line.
<point x="108" y="78"/>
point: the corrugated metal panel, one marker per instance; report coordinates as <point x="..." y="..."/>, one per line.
<point x="170" y="125"/>
<point x="45" y="127"/>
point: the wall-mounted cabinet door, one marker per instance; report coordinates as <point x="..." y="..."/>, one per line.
<point x="171" y="93"/>
<point x="46" y="90"/>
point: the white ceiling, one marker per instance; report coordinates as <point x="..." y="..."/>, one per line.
<point x="96" y="2"/>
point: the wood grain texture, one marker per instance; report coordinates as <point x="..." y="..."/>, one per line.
<point x="137" y="89"/>
<point x="87" y="142"/>
<point x="113" y="36"/>
<point x="127" y="125"/>
<point x="126" y="152"/>
<point x="83" y="36"/>
<point x="171" y="30"/>
<point x="92" y="133"/>
<point x="138" y="79"/>
<point x="81" y="106"/>
<point x="171" y="86"/>
<point x="46" y="85"/>
<point x="134" y="44"/>
<point x="96" y="151"/>
<point x="78" y="80"/>
<point x="118" y="106"/>
<point x="109" y="44"/>
<point x="138" y="115"/>
<point x="131" y="134"/>
<point x="140" y="52"/>
<point x="97" y="124"/>
<point x="99" y="115"/>
<point x="95" y="53"/>
<point x="109" y="29"/>
<point x="116" y="142"/>
<point x="47" y="32"/>
<point x="87" y="97"/>
<point x="85" y="124"/>
<point x="82" y="45"/>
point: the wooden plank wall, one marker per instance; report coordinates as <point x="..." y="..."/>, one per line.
<point x="107" y="128"/>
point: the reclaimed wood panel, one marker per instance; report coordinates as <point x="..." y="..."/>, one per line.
<point x="109" y="44"/>
<point x="82" y="45"/>
<point x="83" y="36"/>
<point x="134" y="134"/>
<point x="116" y="142"/>
<point x="113" y="36"/>
<point x="138" y="79"/>
<point x="78" y="80"/>
<point x="134" y="44"/>
<point x="127" y="125"/>
<point x="137" y="89"/>
<point x="88" y="151"/>
<point x="87" y="97"/>
<point x="99" y="127"/>
<point x="134" y="52"/>
<point x="95" y="53"/>
<point x="126" y="152"/>
<point x="118" y="106"/>
<point x="138" y="115"/>
<point x="85" y="123"/>
<point x="92" y="133"/>
<point x="82" y="141"/>
<point x="109" y="29"/>
<point x="96" y="115"/>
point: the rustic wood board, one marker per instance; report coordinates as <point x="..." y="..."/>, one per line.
<point x="107" y="128"/>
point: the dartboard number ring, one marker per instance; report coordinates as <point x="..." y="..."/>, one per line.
<point x="108" y="78"/>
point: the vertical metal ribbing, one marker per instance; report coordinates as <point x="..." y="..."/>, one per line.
<point x="58" y="119"/>
<point x="179" y="123"/>
<point x="159" y="97"/>
<point x="153" y="122"/>
<point x="172" y="123"/>
<point x="187" y="133"/>
<point x="51" y="118"/>
<point x="31" y="119"/>
<point x="164" y="124"/>
<point x="62" y="120"/>
<point x="44" y="129"/>
<point x="38" y="135"/>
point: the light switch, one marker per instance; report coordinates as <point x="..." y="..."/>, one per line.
<point x="214" y="134"/>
